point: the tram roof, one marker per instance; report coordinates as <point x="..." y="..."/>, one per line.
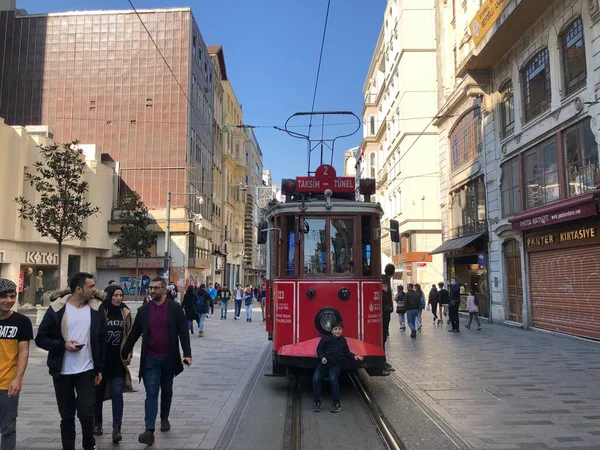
<point x="317" y="206"/>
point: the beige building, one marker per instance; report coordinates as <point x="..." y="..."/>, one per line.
<point x="399" y="143"/>
<point x="24" y="253"/>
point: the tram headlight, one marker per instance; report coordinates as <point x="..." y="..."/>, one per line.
<point x="326" y="319"/>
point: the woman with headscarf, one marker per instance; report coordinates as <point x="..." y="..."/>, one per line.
<point x="116" y="378"/>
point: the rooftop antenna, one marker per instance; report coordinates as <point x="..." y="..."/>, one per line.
<point x="322" y="143"/>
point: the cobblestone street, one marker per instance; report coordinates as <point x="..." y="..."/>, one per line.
<point x="503" y="387"/>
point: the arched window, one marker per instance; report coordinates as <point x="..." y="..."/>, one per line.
<point x="573" y="56"/>
<point x="373" y="165"/>
<point x="465" y="138"/>
<point x="537" y="93"/>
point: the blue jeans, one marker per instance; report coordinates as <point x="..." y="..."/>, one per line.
<point x="237" y="307"/>
<point x="333" y="370"/>
<point x="249" y="311"/>
<point x="116" y="396"/>
<point x="201" y="321"/>
<point x="158" y="375"/>
<point x="191" y="325"/>
<point x="8" y="420"/>
<point x="412" y="315"/>
<point x="224" y="305"/>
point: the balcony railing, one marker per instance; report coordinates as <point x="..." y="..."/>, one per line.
<point x="468" y="229"/>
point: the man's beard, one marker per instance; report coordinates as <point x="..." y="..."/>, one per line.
<point x="156" y="297"/>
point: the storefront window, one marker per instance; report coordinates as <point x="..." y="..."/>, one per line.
<point x="315" y="246"/>
<point x="541" y="174"/>
<point x="581" y="158"/>
<point x="511" y="187"/>
<point x="342" y="245"/>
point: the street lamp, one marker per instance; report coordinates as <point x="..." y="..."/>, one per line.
<point x="200" y="200"/>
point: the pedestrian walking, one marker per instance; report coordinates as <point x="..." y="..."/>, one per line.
<point x="162" y="326"/>
<point x="238" y="298"/>
<point x="202" y="306"/>
<point x="422" y="305"/>
<point x="213" y="295"/>
<point x="262" y="296"/>
<point x="172" y="291"/>
<point x="473" y="308"/>
<point x="400" y="308"/>
<point x="248" y="300"/>
<point x="15" y="333"/>
<point x="454" y="305"/>
<point x="225" y="296"/>
<point x="333" y="354"/>
<point x="387" y="305"/>
<point x="444" y="301"/>
<point x="433" y="301"/>
<point x="73" y="331"/>
<point x="412" y="303"/>
<point x="116" y="378"/>
<point x="189" y="300"/>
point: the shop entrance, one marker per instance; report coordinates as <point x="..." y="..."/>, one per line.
<point x="470" y="272"/>
<point x="514" y="280"/>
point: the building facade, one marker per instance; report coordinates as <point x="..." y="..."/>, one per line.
<point x="118" y="92"/>
<point x="529" y="86"/>
<point x="27" y="258"/>
<point x="399" y="144"/>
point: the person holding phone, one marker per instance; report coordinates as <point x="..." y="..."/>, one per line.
<point x="73" y="331"/>
<point x="163" y="326"/>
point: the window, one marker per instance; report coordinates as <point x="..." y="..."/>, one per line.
<point x="256" y="169"/>
<point x="465" y="138"/>
<point x="507" y="108"/>
<point x="194" y="42"/>
<point x="536" y="85"/>
<point x="372" y="126"/>
<point x="247" y="157"/>
<point x="366" y="232"/>
<point x="468" y="209"/>
<point x="373" y="166"/>
<point x="581" y="158"/>
<point x="342" y="245"/>
<point x="573" y="57"/>
<point x="540" y="172"/>
<point x="511" y="187"/>
<point x="315" y="246"/>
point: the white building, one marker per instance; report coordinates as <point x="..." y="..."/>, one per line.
<point x="399" y="143"/>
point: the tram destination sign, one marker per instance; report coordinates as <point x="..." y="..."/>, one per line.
<point x="325" y="178"/>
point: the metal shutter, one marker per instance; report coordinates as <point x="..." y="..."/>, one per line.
<point x="565" y="290"/>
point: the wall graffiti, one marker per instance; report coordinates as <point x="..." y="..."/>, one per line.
<point x="129" y="284"/>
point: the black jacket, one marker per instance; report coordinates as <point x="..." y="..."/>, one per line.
<point x="434" y="296"/>
<point x="454" y="294"/>
<point x="202" y="301"/>
<point x="188" y="305"/>
<point x="444" y="296"/>
<point x="387" y="302"/>
<point x="334" y="349"/>
<point x="178" y="331"/>
<point x="53" y="333"/>
<point x="412" y="300"/>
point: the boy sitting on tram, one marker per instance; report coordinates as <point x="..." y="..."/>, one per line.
<point x="333" y="352"/>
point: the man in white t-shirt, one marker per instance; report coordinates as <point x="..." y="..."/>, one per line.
<point x="74" y="333"/>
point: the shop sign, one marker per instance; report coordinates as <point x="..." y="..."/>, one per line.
<point x="579" y="235"/>
<point x="41" y="258"/>
<point x="325" y="178"/>
<point x="129" y="263"/>
<point x="486" y="17"/>
<point x="409" y="257"/>
<point x="462" y="251"/>
<point x="551" y="218"/>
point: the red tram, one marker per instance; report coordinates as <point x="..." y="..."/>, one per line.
<point x="324" y="266"/>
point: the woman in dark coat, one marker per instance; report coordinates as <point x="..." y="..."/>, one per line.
<point x="188" y="307"/>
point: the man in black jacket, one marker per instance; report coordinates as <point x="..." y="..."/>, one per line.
<point x="73" y="332"/>
<point x="163" y="325"/>
<point x="454" y="305"/>
<point x="387" y="304"/>
<point x="412" y="303"/>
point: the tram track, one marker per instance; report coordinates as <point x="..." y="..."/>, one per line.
<point x="293" y="436"/>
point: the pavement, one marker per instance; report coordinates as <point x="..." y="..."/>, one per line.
<point x="502" y="387"/>
<point x="205" y="395"/>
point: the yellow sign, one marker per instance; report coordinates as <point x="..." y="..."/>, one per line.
<point x="540" y="240"/>
<point x="577" y="235"/>
<point x="486" y="17"/>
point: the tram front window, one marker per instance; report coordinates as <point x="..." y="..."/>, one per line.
<point x="342" y="245"/>
<point x="315" y="246"/>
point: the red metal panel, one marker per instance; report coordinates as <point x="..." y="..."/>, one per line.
<point x="284" y="310"/>
<point x="565" y="290"/>
<point x="308" y="349"/>
<point x="372" y="312"/>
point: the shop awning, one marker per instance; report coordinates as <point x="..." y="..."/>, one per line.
<point x="456" y="244"/>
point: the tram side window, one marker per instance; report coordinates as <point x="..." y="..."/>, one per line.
<point x="315" y="246"/>
<point x="290" y="266"/>
<point x="366" y="244"/>
<point x="342" y="245"/>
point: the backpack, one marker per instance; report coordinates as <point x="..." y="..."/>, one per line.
<point x="400" y="308"/>
<point x="201" y="303"/>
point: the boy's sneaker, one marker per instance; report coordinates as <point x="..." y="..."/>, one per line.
<point x="317" y="407"/>
<point x="336" y="407"/>
<point x="413" y="334"/>
<point x="403" y="328"/>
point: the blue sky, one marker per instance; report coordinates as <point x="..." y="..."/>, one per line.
<point x="271" y="52"/>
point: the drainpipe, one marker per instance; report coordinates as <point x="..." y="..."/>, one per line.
<point x="485" y="190"/>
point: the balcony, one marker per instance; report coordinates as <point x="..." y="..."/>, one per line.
<point x="496" y="27"/>
<point x="468" y="229"/>
<point x="382" y="177"/>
